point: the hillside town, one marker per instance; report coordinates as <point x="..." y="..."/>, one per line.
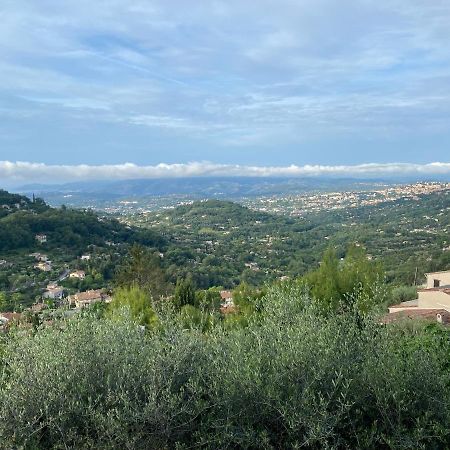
<point x="300" y="205"/>
<point x="289" y="205"/>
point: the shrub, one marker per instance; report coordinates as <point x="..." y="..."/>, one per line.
<point x="291" y="378"/>
<point x="403" y="294"/>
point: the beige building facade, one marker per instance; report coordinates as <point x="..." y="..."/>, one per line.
<point x="438" y="279"/>
<point x="435" y="296"/>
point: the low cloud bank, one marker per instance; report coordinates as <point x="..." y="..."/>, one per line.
<point x="20" y="172"/>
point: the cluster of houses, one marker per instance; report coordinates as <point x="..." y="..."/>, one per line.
<point x="77" y="301"/>
<point x="55" y="292"/>
<point x="433" y="302"/>
<point x="14" y="206"/>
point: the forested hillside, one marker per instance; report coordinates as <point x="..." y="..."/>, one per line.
<point x="222" y="243"/>
<point x="64" y="228"/>
<point x="67" y="233"/>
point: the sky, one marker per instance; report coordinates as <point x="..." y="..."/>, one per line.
<point x="269" y="84"/>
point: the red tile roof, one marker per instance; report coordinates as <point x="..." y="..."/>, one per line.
<point x="87" y="295"/>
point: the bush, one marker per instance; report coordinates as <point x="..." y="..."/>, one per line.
<point x="403" y="294"/>
<point x="291" y="378"/>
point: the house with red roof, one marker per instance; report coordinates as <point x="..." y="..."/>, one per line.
<point x="433" y="301"/>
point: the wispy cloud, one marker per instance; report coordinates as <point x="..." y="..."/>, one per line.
<point x="283" y="70"/>
<point x="16" y="172"/>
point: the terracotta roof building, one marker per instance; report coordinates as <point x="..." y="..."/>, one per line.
<point x="87" y="298"/>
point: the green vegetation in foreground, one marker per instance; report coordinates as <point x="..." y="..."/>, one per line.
<point x="296" y="375"/>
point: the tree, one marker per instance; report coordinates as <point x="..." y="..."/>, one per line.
<point x="209" y="299"/>
<point x="136" y="302"/>
<point x="324" y="282"/>
<point x="184" y="293"/>
<point x="354" y="282"/>
<point x="16" y="300"/>
<point x="3" y="301"/>
<point x="141" y="268"/>
<point x="193" y="318"/>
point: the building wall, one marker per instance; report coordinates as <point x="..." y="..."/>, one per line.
<point x="434" y="299"/>
<point x="443" y="277"/>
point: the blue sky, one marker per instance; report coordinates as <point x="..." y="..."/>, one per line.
<point x="266" y="82"/>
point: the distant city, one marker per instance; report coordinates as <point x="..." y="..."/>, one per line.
<point x="294" y="205"/>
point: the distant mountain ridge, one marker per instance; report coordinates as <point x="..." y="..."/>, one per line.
<point x="210" y="187"/>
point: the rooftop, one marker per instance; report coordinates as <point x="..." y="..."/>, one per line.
<point x="88" y="295"/>
<point x="417" y="314"/>
<point x="444" y="289"/>
<point x="435" y="273"/>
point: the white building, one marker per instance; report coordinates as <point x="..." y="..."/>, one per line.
<point x="438" y="279"/>
<point x="44" y="266"/>
<point x="53" y="292"/>
<point x="41" y="238"/>
<point x="80" y="274"/>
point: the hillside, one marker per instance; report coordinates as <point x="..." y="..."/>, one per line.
<point x="10" y="203"/>
<point x="64" y="228"/>
<point x="224" y="243"/>
<point x="31" y="233"/>
<point x="221" y="243"/>
<point x="211" y="213"/>
<point x="406" y="235"/>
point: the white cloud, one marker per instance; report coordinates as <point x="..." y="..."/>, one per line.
<point x="18" y="172"/>
<point x="237" y="72"/>
<point x="167" y="122"/>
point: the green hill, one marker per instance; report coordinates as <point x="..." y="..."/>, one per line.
<point x="223" y="243"/>
<point x="68" y="234"/>
<point x="65" y="228"/>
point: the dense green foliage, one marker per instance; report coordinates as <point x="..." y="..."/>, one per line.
<point x="70" y="233"/>
<point x="403" y="294"/>
<point x="353" y="282"/>
<point x="65" y="228"/>
<point x="141" y="268"/>
<point x="223" y="243"/>
<point x="135" y="303"/>
<point x="292" y="378"/>
<point x="184" y="293"/>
